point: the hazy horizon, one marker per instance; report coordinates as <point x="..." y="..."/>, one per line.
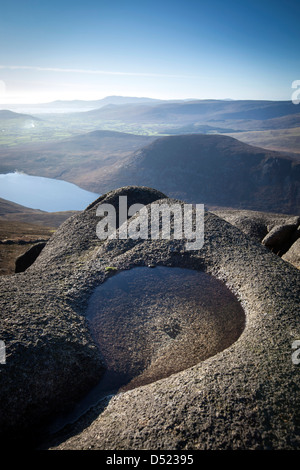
<point x="68" y="50"/>
<point x="96" y="98"/>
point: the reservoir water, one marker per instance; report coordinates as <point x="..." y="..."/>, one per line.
<point x="46" y="194"/>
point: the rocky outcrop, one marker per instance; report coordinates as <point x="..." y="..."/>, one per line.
<point x="280" y="237"/>
<point x="275" y="231"/>
<point x="52" y="359"/>
<point x="242" y="397"/>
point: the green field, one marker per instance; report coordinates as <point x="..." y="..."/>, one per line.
<point x="55" y="127"/>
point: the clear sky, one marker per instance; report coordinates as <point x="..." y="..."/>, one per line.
<point x="75" y="49"/>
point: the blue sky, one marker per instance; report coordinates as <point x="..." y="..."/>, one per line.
<point x="161" y="49"/>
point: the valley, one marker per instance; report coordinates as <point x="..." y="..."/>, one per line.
<point x="241" y="155"/>
<point x="148" y="117"/>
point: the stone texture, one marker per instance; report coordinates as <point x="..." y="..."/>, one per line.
<point x="279" y="236"/>
<point x="255" y="224"/>
<point x="244" y="397"/>
<point x="278" y="232"/>
<point x="293" y="254"/>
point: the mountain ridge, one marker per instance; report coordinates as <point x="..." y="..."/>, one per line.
<point x="214" y="170"/>
<point x="6" y="114"/>
<point x="222" y="109"/>
<point x="76" y="159"/>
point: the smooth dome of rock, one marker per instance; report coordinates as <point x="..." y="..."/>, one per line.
<point x="243" y="397"/>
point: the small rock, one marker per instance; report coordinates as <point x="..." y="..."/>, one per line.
<point x="293" y="254"/>
<point x="278" y="236"/>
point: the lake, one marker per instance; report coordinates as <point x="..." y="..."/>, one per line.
<point x="46" y="194"/>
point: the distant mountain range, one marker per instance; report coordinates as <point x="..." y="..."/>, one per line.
<point x="146" y="115"/>
<point x="78" y="105"/>
<point x="108" y="100"/>
<point x="211" y="109"/>
<point x="227" y="114"/>
<point x="238" y="115"/>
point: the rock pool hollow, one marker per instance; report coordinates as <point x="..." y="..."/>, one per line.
<point x="150" y="323"/>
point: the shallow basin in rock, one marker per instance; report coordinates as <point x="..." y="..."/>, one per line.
<point x="151" y="323"/>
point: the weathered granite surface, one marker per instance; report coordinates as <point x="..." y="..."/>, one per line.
<point x="254" y="223"/>
<point x="278" y="232"/>
<point x="293" y="254"/>
<point x="245" y="397"/>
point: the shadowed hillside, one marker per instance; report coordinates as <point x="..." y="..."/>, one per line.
<point x="76" y="160"/>
<point x="10" y="211"/>
<point x="214" y="170"/>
